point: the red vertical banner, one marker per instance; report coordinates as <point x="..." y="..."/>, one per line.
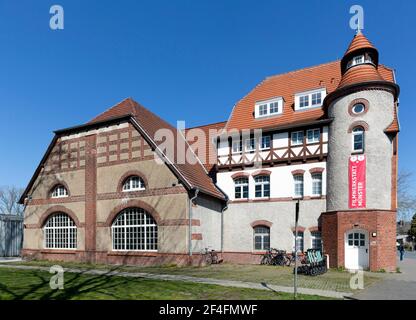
<point x="356" y="179"/>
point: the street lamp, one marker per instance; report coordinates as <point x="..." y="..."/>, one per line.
<point x="295" y="284"/>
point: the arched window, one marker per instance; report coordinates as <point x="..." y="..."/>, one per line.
<point x="358" y="139"/>
<point x="298" y="183"/>
<point x="59" y="191"/>
<point x="317" y="184"/>
<point x="134" y="183"/>
<point x="261" y="238"/>
<point x="241" y="188"/>
<point x="134" y="229"/>
<point x="60" y="232"/>
<point x="316" y="240"/>
<point x="262" y="186"/>
<point x="298" y="241"/>
<point x="360" y="59"/>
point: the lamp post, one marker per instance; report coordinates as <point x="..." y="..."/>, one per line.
<point x="295" y="284"/>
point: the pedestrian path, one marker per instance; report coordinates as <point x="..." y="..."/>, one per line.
<point x="167" y="277"/>
<point x="394" y="286"/>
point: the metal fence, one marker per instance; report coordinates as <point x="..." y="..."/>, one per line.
<point x="11" y="235"/>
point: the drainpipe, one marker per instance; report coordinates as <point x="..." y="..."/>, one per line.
<point x="222" y="224"/>
<point x="190" y="220"/>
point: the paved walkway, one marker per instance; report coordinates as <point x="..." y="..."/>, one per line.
<point x="166" y="277"/>
<point x="394" y="286"/>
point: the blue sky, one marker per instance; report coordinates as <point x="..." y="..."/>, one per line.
<point x="184" y="60"/>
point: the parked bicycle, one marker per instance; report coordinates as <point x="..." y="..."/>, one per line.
<point x="277" y="257"/>
<point x="211" y="256"/>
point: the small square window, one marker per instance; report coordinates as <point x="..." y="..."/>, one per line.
<point x="304" y="101"/>
<point x="297" y="138"/>
<point x="274" y="107"/>
<point x="316" y="99"/>
<point x="263" y="109"/>
<point x="265" y="142"/>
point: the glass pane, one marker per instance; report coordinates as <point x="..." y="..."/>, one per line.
<point x="350" y="236"/>
<point x="356" y="243"/>
<point x="350" y="243"/>
<point x="362" y="243"/>
<point x="362" y="236"/>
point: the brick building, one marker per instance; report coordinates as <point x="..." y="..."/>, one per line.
<point x="127" y="187"/>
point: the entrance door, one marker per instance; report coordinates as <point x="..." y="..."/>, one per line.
<point x="356" y="250"/>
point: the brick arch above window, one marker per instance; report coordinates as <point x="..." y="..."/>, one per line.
<point x="361" y="124"/>
<point x="300" y="229"/>
<point x="56" y="184"/>
<point x="261" y="173"/>
<point x="316" y="170"/>
<point x="298" y="172"/>
<point x="259" y="223"/>
<point x="132" y="204"/>
<point x="314" y="229"/>
<point x="354" y="102"/>
<point x="128" y="174"/>
<point x="240" y="175"/>
<point x="59" y="209"/>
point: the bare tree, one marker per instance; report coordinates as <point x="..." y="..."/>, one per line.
<point x="406" y="198"/>
<point x="9" y="196"/>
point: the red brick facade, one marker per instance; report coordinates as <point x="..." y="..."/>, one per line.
<point x="381" y="228"/>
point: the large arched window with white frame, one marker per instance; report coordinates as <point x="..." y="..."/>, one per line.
<point x="134" y="229"/>
<point x="134" y="183"/>
<point x="60" y="232"/>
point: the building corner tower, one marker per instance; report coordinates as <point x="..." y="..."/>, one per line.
<point x="359" y="226"/>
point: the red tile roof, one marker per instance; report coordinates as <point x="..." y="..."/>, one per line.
<point x="211" y="148"/>
<point x="359" y="42"/>
<point x="287" y="85"/>
<point x="192" y="171"/>
<point x="360" y="74"/>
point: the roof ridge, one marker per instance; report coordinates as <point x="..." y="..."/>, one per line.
<point x="206" y="125"/>
<point x="129" y="99"/>
<point x="303" y="69"/>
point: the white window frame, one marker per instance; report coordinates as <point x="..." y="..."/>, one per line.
<point x="297" y="182"/>
<point x="315" y="237"/>
<point x="129" y="184"/>
<point x="55" y="227"/>
<point x="262" y="235"/>
<point x="313" y="140"/>
<point x="357" y="133"/>
<point x="59" y="191"/>
<point x="237" y="146"/>
<point x="316" y="184"/>
<point x="128" y="229"/>
<point x="296" y="133"/>
<point x="300" y="237"/>
<point x="239" y="184"/>
<point x="364" y="59"/>
<point x="261" y="181"/>
<point x="309" y="94"/>
<point x="258" y="113"/>
<point x="248" y="143"/>
<point x="262" y="142"/>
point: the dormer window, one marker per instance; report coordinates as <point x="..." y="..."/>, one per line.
<point x="134" y="183"/>
<point x="268" y="108"/>
<point x="309" y="99"/>
<point x="59" y="192"/>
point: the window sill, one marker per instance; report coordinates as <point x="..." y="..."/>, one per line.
<point x="133" y="253"/>
<point x="59" y="251"/>
<point x="357" y="152"/>
<point x="240" y="200"/>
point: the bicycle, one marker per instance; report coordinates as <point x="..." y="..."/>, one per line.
<point x="211" y="256"/>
